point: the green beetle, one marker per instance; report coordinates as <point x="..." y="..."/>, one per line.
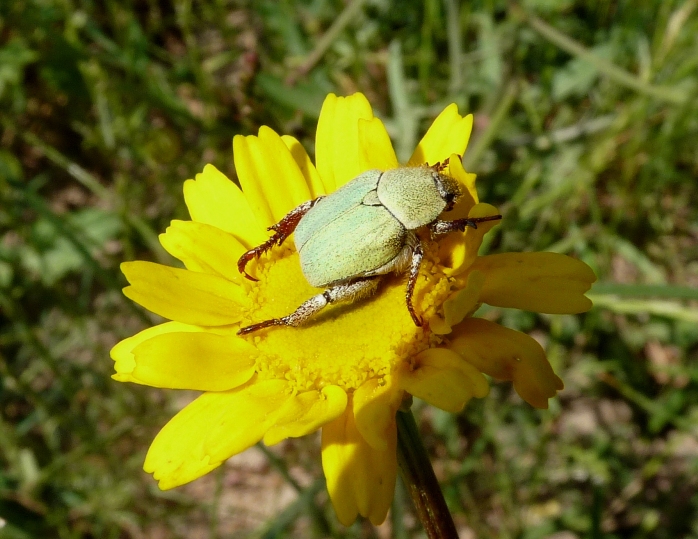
<point x="350" y="239"/>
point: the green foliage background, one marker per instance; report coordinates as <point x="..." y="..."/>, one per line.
<point x="586" y="139"/>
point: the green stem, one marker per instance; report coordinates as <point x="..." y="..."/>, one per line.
<point x="418" y="475"/>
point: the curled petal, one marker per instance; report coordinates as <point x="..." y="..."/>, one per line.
<point x="270" y="178"/>
<point x="213" y="428"/>
<point x="337" y="149"/>
<point x="306" y="412"/>
<point x="360" y="479"/>
<point x="375" y="404"/>
<point x="204" y="248"/>
<point x="312" y="177"/>
<point x="185" y="296"/>
<point x="449" y="134"/>
<point x="441" y="377"/>
<point x="376" y="150"/>
<point x="214" y="200"/>
<point x="506" y="354"/>
<point x="541" y="282"/>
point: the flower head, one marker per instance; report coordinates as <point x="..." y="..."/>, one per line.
<point x="348" y="370"/>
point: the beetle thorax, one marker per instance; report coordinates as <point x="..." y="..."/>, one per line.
<point x="415" y="195"/>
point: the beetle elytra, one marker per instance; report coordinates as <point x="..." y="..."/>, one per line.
<point x="351" y="238"/>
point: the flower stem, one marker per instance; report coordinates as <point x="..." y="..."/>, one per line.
<point x="421" y="483"/>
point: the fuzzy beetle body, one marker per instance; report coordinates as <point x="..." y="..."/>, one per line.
<point x="364" y="230"/>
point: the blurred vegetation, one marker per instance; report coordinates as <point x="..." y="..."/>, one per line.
<point x="586" y="128"/>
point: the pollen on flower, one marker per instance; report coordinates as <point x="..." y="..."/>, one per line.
<point x="346" y="344"/>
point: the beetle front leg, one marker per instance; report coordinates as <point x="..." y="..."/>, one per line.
<point x="342" y="292"/>
<point x="444" y="227"/>
<point x="282" y="230"/>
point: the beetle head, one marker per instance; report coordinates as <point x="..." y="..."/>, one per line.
<point x="448" y="189"/>
<point x="416" y="196"/>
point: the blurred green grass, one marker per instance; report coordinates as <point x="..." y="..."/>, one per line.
<point x="586" y="129"/>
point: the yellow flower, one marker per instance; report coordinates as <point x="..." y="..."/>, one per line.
<point x="348" y="370"/>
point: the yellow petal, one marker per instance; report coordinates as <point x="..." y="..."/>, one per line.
<point x="360" y="479"/>
<point x="448" y="134"/>
<point x="270" y="178"/>
<point x="211" y="429"/>
<point x="541" y="282"/>
<point x="185" y="296"/>
<point x="506" y="354"/>
<point x="375" y="148"/>
<point x="214" y="200"/>
<point x="337" y="152"/>
<point x="200" y="361"/>
<point x="307" y="412"/>
<point x="441" y="377"/>
<point x="459" y="251"/>
<point x="122" y="353"/>
<point x="204" y="248"/>
<point x="375" y="404"/>
<point x="312" y="177"/>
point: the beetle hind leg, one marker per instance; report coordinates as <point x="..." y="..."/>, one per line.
<point x="352" y="291"/>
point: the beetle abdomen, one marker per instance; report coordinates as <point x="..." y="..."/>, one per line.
<point x="356" y="242"/>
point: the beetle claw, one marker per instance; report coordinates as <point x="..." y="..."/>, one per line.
<point x="248" y="276"/>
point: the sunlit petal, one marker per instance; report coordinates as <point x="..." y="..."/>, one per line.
<point x="506" y="354"/>
<point x="375" y="404"/>
<point x="270" y="178"/>
<point x="376" y="150"/>
<point x="204" y="248"/>
<point x="214" y="200"/>
<point x="337" y="150"/>
<point x="122" y="352"/>
<point x="185" y="296"/>
<point x="360" y="479"/>
<point x="312" y="177"/>
<point x="540" y="282"/>
<point x="449" y="134"/>
<point x="306" y="412"/>
<point x="202" y="361"/>
<point x="211" y="429"/>
<point x="440" y="377"/>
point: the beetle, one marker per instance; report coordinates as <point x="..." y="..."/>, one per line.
<point x="350" y="239"/>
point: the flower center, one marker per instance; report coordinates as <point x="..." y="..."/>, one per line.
<point x="347" y="343"/>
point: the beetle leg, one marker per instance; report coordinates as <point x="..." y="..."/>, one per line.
<point x="417" y="255"/>
<point x="282" y="230"/>
<point x="341" y="292"/>
<point x="444" y="227"/>
<point x="439" y="166"/>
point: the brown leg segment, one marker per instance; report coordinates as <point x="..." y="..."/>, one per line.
<point x="417" y="256"/>
<point x="282" y="230"/>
